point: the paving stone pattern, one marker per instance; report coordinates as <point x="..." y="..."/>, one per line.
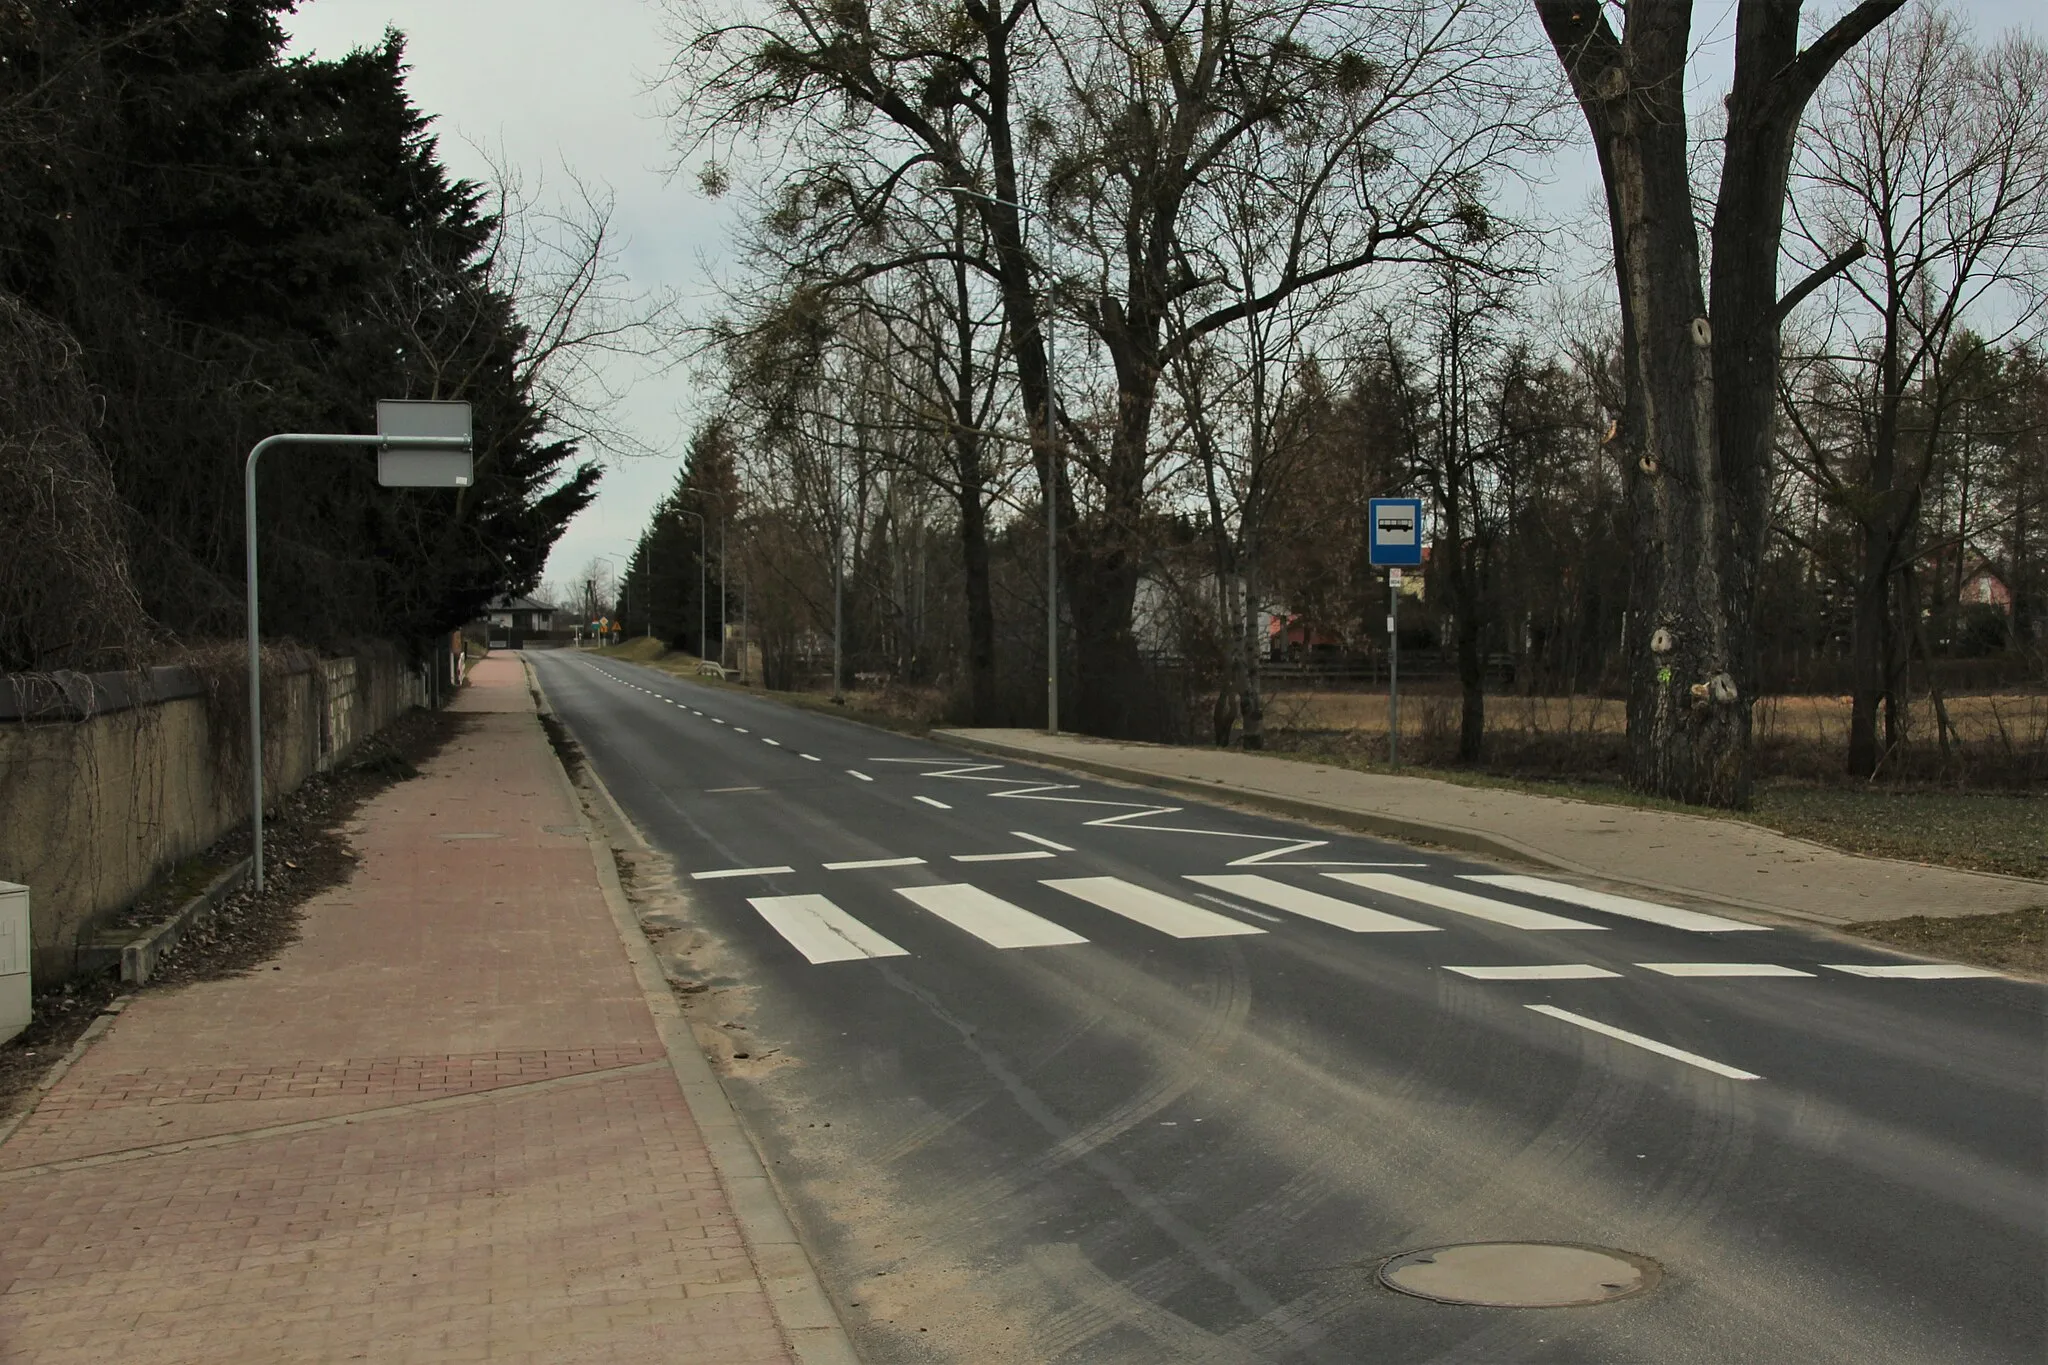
<point x="443" y="1131"/>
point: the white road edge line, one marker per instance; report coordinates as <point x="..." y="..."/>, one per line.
<point x="932" y="801"/>
<point x="1001" y="857"/>
<point x="859" y="863"/>
<point x="1648" y="1044"/>
<point x="1911" y="971"/>
<point x="738" y="872"/>
<point x="1042" y="843"/>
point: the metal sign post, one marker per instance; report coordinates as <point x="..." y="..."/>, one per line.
<point x="427" y="451"/>
<point x="1395" y="541"/>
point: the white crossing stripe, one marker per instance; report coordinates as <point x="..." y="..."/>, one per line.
<point x="1721" y="969"/>
<point x="737" y="872"/>
<point x="1001" y="857"/>
<point x="821" y="931"/>
<point x="1042" y="843"/>
<point x="1558" y="971"/>
<point x="1313" y="905"/>
<point x="873" y="862"/>
<point x="1459" y="902"/>
<point x="1911" y="971"/>
<point x="1150" y="908"/>
<point x="1648" y="1044"/>
<point x="991" y="919"/>
<point x="1670" y="916"/>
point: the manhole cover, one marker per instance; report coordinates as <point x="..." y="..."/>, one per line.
<point x="1520" y="1274"/>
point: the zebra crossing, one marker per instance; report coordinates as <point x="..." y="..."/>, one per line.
<point x="823" y="932"/>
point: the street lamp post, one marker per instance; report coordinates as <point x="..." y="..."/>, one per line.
<point x="625" y="589"/>
<point x="1051" y="487"/>
<point x="435" y="457"/>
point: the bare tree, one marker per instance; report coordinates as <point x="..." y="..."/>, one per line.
<point x="1700" y="355"/>
<point x="1935" y="155"/>
<point x="1374" y="124"/>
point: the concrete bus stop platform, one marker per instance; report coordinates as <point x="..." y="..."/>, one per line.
<point x="1727" y="862"/>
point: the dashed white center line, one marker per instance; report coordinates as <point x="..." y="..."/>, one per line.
<point x="1001" y="857"/>
<point x="1648" y="1044"/>
<point x="722" y="872"/>
<point x="930" y="802"/>
<point x="776" y="742"/>
<point x="740" y="730"/>
<point x="858" y="863"/>
<point x="811" y="757"/>
<point x="1042" y="843"/>
<point x="716" y="721"/>
<point x="1240" y="909"/>
<point x="861" y="775"/>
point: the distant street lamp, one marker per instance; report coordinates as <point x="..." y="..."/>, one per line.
<point x="419" y="445"/>
<point x="625" y="589"/>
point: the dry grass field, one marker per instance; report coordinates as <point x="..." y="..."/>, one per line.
<point x="2017" y="719"/>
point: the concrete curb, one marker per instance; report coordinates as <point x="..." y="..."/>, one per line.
<point x="139" y="956"/>
<point x="804" y="1311"/>
<point x="1483" y="844"/>
<point x="1365" y="822"/>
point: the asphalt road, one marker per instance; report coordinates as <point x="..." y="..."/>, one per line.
<point x="1049" y="1071"/>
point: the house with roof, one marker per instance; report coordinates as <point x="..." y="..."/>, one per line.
<point x="511" y="618"/>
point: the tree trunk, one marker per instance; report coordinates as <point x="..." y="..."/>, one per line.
<point x="1251" y="704"/>
<point x="1229" y="617"/>
<point x="1111" y="698"/>
<point x="981" y="612"/>
<point x="1699" y="390"/>
<point x="1472" y="682"/>
<point x="1868" y="628"/>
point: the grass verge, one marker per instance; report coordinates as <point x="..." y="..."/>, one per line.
<point x="2016" y="941"/>
<point x="1998" y="832"/>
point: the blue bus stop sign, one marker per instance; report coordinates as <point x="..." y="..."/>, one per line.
<point x="1396" y="537"/>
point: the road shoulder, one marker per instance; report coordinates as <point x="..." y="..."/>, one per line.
<point x="798" y="1297"/>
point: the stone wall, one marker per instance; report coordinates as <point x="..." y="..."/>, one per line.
<point x="107" y="780"/>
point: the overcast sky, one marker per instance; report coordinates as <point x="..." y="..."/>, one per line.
<point x="549" y="83"/>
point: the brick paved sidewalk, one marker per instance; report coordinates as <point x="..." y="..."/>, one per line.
<point x="443" y="1128"/>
